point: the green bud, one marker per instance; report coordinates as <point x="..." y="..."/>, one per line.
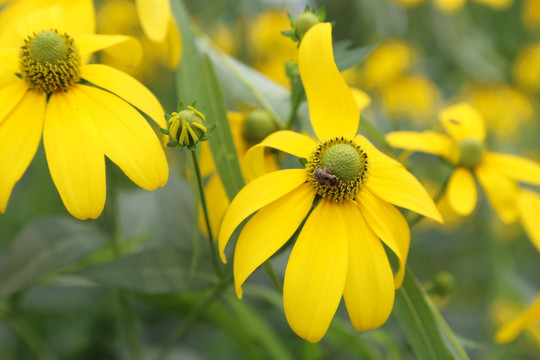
<point x="305" y="22"/>
<point x="444" y="283"/>
<point x="187" y="127"/>
<point x="258" y="125"/>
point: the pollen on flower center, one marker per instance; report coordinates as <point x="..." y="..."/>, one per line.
<point x="472" y="151"/>
<point x="49" y="61"/>
<point x="337" y="169"/>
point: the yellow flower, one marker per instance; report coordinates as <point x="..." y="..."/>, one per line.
<point x="452" y="6"/>
<point x="505" y="109"/>
<point x="527" y="320"/>
<point x="526" y="69"/>
<point x="498" y="174"/>
<point x="529" y="208"/>
<point x="411" y="96"/>
<point x="85" y="112"/>
<point x="530" y="14"/>
<point x="339" y="250"/>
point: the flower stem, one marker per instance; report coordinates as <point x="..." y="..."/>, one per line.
<point x="296" y="101"/>
<point x="192" y="318"/>
<point x="267" y="266"/>
<point x="213" y="249"/>
<point x="127" y="320"/>
<point x="27" y="333"/>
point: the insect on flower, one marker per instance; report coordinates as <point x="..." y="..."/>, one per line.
<point x="324" y="177"/>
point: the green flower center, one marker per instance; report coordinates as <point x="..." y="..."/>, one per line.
<point x="49" y="61"/>
<point x="258" y="125"/>
<point x="472" y="151"/>
<point x="337" y="169"/>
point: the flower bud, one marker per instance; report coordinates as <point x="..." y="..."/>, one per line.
<point x="258" y="125"/>
<point x="187" y="127"/>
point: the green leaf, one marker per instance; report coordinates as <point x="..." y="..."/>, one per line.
<point x="347" y="58"/>
<point x="422" y="324"/>
<point x="159" y="270"/>
<point x="196" y="79"/>
<point x="43" y="246"/>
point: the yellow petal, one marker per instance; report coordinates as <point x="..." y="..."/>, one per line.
<point x="316" y="272"/>
<point x="332" y="108"/>
<point x="501" y="192"/>
<point x="20" y="133"/>
<point x="127" y="87"/>
<point x="449" y="6"/>
<point x="362" y="99"/>
<point x="127" y="48"/>
<point x="11" y="96"/>
<point x="462" y="121"/>
<point x="9" y="60"/>
<point x="427" y="142"/>
<point x="391" y="182"/>
<point x="206" y="161"/>
<point x="127" y="138"/>
<point x="75" y="155"/>
<point x="529" y="208"/>
<point x="174" y="44"/>
<point x="154" y="16"/>
<point x="461" y="192"/>
<point x="524" y="321"/>
<point x="515" y="167"/>
<point x="255" y="195"/>
<point x="369" y="289"/>
<point x="269" y="230"/>
<point x="389" y="225"/>
<point x="217" y="204"/>
<point x="288" y="141"/>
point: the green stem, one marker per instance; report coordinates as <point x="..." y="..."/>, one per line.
<point x="28" y="334"/>
<point x="296" y="101"/>
<point x="267" y="266"/>
<point x="192" y="318"/>
<point x="127" y="321"/>
<point x="213" y="249"/>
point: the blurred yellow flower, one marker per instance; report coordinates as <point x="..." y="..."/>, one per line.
<point x="452" y="6"/>
<point x="529" y="208"/>
<point x="271" y="50"/>
<point x="411" y="96"/>
<point x="526" y="69"/>
<point x="525" y="321"/>
<point x="338" y="252"/>
<point x="387" y="62"/>
<point x="498" y="174"/>
<point x="504" y="108"/>
<point x="121" y="17"/>
<point x="225" y="38"/>
<point x="530" y="14"/>
<point x="81" y="124"/>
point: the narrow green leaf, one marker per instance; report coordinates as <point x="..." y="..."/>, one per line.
<point x="427" y="333"/>
<point x="347" y="58"/>
<point x="159" y="270"/>
<point x="43" y="246"/>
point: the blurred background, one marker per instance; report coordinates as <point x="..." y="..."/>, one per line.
<point x="426" y="54"/>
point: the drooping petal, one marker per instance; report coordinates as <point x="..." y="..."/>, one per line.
<point x="427" y="142"/>
<point x="216" y="207"/>
<point x="389" y="225"/>
<point x="154" y="17"/>
<point x="391" y="182"/>
<point x="316" y="272"/>
<point x="501" y="191"/>
<point x="515" y="167"/>
<point x="127" y="138"/>
<point x="20" y="133"/>
<point x="461" y="121"/>
<point x="288" y="141"/>
<point x="11" y="96"/>
<point x="523" y="321"/>
<point x="369" y="289"/>
<point x="127" y="87"/>
<point x="461" y="191"/>
<point x="269" y="230"/>
<point x="126" y="47"/>
<point x="362" y="99"/>
<point x="529" y="208"/>
<point x="332" y="107"/>
<point x="75" y="155"/>
<point x="255" y="195"/>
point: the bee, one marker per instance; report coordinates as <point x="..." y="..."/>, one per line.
<point x="324" y="177"/>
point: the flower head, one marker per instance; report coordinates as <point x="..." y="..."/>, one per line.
<point x="339" y="251"/>
<point x="85" y="112"/>
<point x="465" y="149"/>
